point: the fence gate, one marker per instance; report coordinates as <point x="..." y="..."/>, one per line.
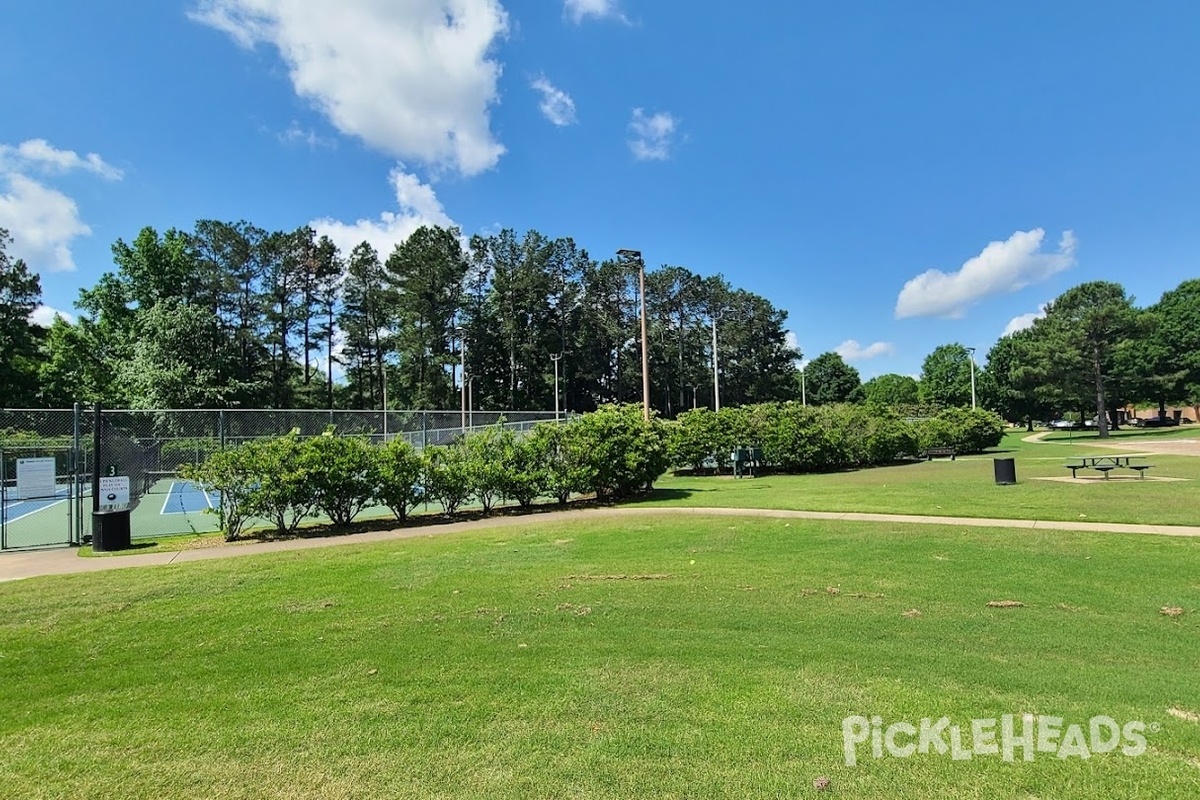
<point x="40" y="496"/>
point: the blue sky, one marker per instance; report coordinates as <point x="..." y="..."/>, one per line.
<point x="895" y="175"/>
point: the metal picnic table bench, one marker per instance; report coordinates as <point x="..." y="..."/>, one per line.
<point x="1107" y="464"/>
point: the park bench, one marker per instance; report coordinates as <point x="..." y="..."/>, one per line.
<point x="939" y="452"/>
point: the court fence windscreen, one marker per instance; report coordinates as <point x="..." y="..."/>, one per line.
<point x="48" y="459"/>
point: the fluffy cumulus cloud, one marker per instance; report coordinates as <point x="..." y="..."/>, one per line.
<point x="42" y="220"/>
<point x="652" y="135"/>
<point x="38" y="155"/>
<point x="579" y="10"/>
<point x="556" y="105"/>
<point x="414" y="79"/>
<point x="851" y="350"/>
<point x="1024" y="321"/>
<point x="418" y="205"/>
<point x="43" y="316"/>
<point x="1002" y="267"/>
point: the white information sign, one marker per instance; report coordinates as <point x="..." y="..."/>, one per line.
<point x="114" y="491"/>
<point x="35" y="478"/>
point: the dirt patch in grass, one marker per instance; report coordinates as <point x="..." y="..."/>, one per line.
<point x="651" y="577"/>
<point x="1183" y="714"/>
<point x="1005" y="604"/>
<point x="1171" y="611"/>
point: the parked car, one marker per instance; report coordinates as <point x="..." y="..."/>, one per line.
<point x="1158" y="422"/>
<point x="1064" y="425"/>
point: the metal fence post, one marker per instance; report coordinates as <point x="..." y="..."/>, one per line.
<point x="75" y="527"/>
<point x="221" y="428"/>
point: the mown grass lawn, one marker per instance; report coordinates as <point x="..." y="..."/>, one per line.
<point x="966" y="487"/>
<point x="650" y="657"/>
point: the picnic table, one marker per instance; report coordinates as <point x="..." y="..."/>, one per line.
<point x="1107" y="464"/>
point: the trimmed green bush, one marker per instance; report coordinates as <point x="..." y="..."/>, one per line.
<point x="621" y="452"/>
<point x="399" y="473"/>
<point x="339" y="475"/>
<point x="447" y="475"/>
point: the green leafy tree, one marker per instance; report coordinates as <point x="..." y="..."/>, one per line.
<point x="1169" y="356"/>
<point x="1011" y="388"/>
<point x="829" y="379"/>
<point x="427" y="272"/>
<point x="20" y="294"/>
<point x="946" y="376"/>
<point x="1084" y="328"/>
<point x="892" y="390"/>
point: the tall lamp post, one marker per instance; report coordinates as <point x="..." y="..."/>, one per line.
<point x="716" y="372"/>
<point x="555" y="357"/>
<point x="462" y="374"/>
<point x="971" y="350"/>
<point x="636" y="255"/>
<point x="803" y="388"/>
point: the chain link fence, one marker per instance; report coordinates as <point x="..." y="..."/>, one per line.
<point x="150" y="446"/>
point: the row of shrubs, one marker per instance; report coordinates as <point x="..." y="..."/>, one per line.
<point x="611" y="453"/>
<point x="798" y="438"/>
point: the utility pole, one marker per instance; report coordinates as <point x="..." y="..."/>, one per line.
<point x="555" y="357"/>
<point x="716" y="373"/>
<point x="971" y="350"/>
<point x="462" y="374"/>
<point x="636" y="255"/>
<point x="803" y="389"/>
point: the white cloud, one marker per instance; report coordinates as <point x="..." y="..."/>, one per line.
<point x="1002" y="267"/>
<point x="418" y="206"/>
<point x="40" y="155"/>
<point x="579" y="10"/>
<point x="851" y="350"/>
<point x="43" y="316"/>
<point x="412" y="79"/>
<point x="42" y="222"/>
<point x="294" y="134"/>
<point x="1024" y="321"/>
<point x="652" y="135"/>
<point x="557" y="106"/>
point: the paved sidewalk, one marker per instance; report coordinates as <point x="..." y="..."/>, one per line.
<point x="34" y="563"/>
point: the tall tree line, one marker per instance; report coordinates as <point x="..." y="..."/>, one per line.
<point x="231" y="315"/>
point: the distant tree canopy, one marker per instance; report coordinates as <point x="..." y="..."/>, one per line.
<point x="829" y="379"/>
<point x="231" y="315"/>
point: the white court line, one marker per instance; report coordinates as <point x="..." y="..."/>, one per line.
<point x="8" y="520"/>
<point x="166" y="500"/>
<point x="63" y="491"/>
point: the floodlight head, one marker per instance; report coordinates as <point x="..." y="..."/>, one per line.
<point x="630" y="253"/>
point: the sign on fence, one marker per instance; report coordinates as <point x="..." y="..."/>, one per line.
<point x="114" y="491"/>
<point x="35" y="478"/>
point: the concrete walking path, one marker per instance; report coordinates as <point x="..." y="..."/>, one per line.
<point x="36" y="563"/>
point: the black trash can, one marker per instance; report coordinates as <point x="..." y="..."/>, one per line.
<point x="110" y="530"/>
<point x="1006" y="471"/>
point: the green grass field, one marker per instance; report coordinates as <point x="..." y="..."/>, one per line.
<point x="648" y="657"/>
<point x="965" y="488"/>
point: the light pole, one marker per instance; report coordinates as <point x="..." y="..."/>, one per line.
<point x="555" y="357"/>
<point x="803" y="388"/>
<point x="716" y="378"/>
<point x="462" y="374"/>
<point x="971" y="350"/>
<point x="636" y="255"/>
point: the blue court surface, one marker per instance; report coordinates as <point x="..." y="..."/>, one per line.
<point x="18" y="509"/>
<point x="185" y="497"/>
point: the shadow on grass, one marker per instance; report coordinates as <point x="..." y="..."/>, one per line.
<point x="422" y="520"/>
